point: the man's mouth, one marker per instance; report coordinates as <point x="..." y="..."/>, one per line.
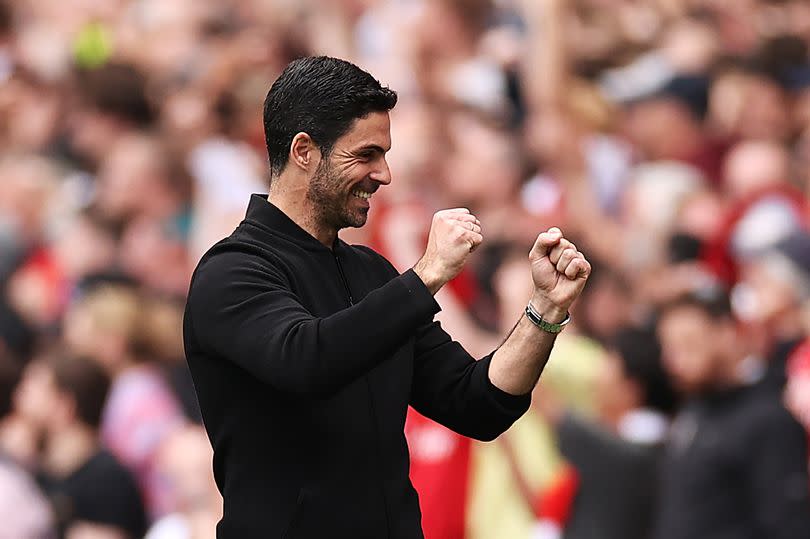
<point x="359" y="193"/>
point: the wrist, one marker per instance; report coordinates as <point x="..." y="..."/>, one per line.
<point x="431" y="280"/>
<point x="548" y="309"/>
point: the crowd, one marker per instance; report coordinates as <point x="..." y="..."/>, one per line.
<point x="669" y="139"/>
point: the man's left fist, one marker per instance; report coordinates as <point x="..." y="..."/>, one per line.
<point x="559" y="273"/>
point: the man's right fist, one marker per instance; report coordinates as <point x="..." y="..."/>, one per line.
<point x="454" y="234"/>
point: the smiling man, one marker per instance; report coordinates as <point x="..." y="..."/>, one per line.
<point x="306" y="351"/>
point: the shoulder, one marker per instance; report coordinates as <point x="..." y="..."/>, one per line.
<point x="105" y="469"/>
<point x="238" y="247"/>
<point x="235" y="259"/>
<point x="766" y="417"/>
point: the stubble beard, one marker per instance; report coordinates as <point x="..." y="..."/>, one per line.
<point x="330" y="202"/>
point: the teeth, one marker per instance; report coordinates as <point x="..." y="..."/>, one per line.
<point x="362" y="194"/>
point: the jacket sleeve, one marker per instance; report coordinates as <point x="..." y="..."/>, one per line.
<point x="778" y="479"/>
<point x="587" y="446"/>
<point x="244" y="311"/>
<point x="452" y="388"/>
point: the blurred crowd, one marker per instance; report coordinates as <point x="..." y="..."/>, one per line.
<point x="669" y="139"/>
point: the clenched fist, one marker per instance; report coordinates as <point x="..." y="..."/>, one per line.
<point x="454" y="234"/>
<point x="559" y="273"/>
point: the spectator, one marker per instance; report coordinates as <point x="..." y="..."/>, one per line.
<point x="63" y="398"/>
<point x="736" y="461"/>
<point x="141" y="411"/>
<point x="613" y="460"/>
<point x="184" y="462"/>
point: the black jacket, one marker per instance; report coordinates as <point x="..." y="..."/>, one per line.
<point x="736" y="468"/>
<point x="617" y="479"/>
<point x="305" y="360"/>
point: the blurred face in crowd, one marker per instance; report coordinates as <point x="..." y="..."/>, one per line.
<point x="696" y="350"/>
<point x="483" y="169"/>
<point x="768" y="288"/>
<point x="663" y="128"/>
<point x="184" y="461"/>
<point x="751" y="166"/>
<point x="342" y="186"/>
<point x="616" y="393"/>
<point x="132" y="178"/>
<point x="102" y="326"/>
<point x="83" y="247"/>
<point x="38" y="399"/>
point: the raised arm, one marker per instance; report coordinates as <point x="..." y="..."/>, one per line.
<point x="559" y="273"/>
<point x="244" y="311"/>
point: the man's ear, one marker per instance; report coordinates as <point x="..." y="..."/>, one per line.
<point x="304" y="153"/>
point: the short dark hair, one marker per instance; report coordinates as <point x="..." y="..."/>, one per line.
<point x="713" y="301"/>
<point x="84" y="380"/>
<point x="320" y="96"/>
<point x="118" y="90"/>
<point x="639" y="352"/>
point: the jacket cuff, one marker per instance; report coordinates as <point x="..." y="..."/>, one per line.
<point x="506" y="403"/>
<point x="420" y="293"/>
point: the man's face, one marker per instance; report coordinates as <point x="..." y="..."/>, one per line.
<point x="616" y="393"/>
<point x="37" y="398"/>
<point x="691" y="346"/>
<point x="342" y="186"/>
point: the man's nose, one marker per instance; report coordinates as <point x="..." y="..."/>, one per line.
<point x="382" y="174"/>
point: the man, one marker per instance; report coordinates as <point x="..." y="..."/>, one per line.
<point x="613" y="459"/>
<point x="90" y="490"/>
<point x="306" y="351"/>
<point x="736" y="461"/>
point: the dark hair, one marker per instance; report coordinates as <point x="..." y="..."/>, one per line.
<point x="118" y="90"/>
<point x="6" y="18"/>
<point x="320" y="96"/>
<point x="10" y="373"/>
<point x="713" y="301"/>
<point x="84" y="380"/>
<point x="640" y="355"/>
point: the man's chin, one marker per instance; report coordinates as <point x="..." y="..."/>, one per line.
<point x="357" y="219"/>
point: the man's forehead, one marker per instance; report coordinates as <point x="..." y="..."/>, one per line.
<point x="371" y="130"/>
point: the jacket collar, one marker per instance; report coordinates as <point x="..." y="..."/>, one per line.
<point x="264" y="214"/>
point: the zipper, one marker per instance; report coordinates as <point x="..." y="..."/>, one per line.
<point x="343" y="278"/>
<point x="370" y="401"/>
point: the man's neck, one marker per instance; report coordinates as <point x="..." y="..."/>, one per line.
<point x="68" y="449"/>
<point x="296" y="206"/>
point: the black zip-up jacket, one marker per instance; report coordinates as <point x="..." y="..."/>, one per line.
<point x="305" y="360"/>
<point x="735" y="467"/>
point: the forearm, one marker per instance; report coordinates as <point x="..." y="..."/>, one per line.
<point x="519" y="361"/>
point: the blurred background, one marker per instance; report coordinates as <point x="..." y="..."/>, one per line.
<point x="669" y="139"/>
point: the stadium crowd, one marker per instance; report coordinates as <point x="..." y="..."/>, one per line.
<point x="670" y="139"/>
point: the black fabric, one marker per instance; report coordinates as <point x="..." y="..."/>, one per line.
<point x="304" y="360"/>
<point x="182" y="386"/>
<point x="735" y="467"/>
<point x="101" y="491"/>
<point x="617" y="478"/>
<point x="776" y="363"/>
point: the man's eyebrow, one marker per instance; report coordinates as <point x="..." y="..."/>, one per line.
<point x="372" y="148"/>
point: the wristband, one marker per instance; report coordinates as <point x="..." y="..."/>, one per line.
<point x="549" y="327"/>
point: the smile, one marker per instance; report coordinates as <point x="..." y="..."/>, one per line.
<point x="362" y="194"/>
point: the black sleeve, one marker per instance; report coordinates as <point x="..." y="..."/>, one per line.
<point x="245" y="311"/>
<point x="778" y="483"/>
<point x="589" y="447"/>
<point x="452" y="388"/>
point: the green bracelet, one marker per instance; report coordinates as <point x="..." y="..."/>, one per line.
<point x="537" y="319"/>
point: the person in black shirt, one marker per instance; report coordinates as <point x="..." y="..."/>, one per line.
<point x="88" y="488"/>
<point x="306" y="352"/>
<point x="736" y="460"/>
